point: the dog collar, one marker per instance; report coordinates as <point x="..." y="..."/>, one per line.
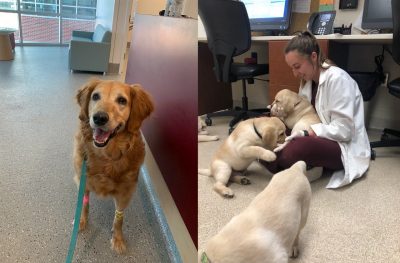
<point x="255" y="130"/>
<point x="204" y="258"/>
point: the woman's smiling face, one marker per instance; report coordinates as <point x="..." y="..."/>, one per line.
<point x="301" y="66"/>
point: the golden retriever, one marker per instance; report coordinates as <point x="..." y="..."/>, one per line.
<point x="109" y="138"/>
<point x="252" y="139"/>
<point x="267" y="231"/>
<point x="295" y="111"/>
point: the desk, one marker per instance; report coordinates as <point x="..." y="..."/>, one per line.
<point x="335" y="46"/>
<point x="349" y="39"/>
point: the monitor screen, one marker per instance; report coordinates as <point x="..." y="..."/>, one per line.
<point x="377" y="14"/>
<point x="268" y="15"/>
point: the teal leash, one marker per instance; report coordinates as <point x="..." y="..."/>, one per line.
<point x="78" y="212"/>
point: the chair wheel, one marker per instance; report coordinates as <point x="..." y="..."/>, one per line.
<point x="384" y="137"/>
<point x="373" y="154"/>
<point x="231" y="130"/>
<point x="208" y="121"/>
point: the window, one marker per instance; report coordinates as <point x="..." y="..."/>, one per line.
<point x="41" y="20"/>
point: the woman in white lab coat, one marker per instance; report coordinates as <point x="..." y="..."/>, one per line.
<point x="340" y="143"/>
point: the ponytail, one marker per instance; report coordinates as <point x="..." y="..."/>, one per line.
<point x="305" y="44"/>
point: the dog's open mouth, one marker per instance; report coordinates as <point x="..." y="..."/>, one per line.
<point x="102" y="137"/>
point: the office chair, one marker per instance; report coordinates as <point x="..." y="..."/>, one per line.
<point x="228" y="35"/>
<point x="394" y="85"/>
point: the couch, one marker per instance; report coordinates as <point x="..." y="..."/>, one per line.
<point x="90" y="51"/>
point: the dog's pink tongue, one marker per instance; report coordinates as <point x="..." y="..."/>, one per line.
<point x="101" y="136"/>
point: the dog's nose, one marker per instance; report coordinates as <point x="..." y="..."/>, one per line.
<point x="100" y="118"/>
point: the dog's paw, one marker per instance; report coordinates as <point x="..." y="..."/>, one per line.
<point x="118" y="245"/>
<point x="268" y="156"/>
<point x="227" y="193"/>
<point x="244" y="181"/>
<point x="82" y="224"/>
<point x="295" y="252"/>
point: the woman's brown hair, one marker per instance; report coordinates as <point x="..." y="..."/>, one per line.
<point x="305" y="44"/>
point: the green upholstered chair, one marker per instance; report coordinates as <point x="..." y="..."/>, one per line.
<point x="90" y="51"/>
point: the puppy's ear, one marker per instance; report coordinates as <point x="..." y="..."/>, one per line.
<point x="270" y="137"/>
<point x="141" y="107"/>
<point x="297" y="101"/>
<point x="83" y="98"/>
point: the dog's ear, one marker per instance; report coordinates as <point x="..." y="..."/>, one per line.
<point x="83" y="98"/>
<point x="297" y="101"/>
<point x="141" y="107"/>
<point x="270" y="137"/>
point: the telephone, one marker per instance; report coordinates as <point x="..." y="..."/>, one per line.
<point x="321" y="23"/>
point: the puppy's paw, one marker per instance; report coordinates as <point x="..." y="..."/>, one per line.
<point x="268" y="156"/>
<point x="295" y="252"/>
<point x="227" y="193"/>
<point x="118" y="245"/>
<point x="244" y="181"/>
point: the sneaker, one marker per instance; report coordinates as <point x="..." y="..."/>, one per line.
<point x="314" y="173"/>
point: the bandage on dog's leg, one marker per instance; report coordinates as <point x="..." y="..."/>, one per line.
<point x="117" y="240"/>
<point x="119" y="215"/>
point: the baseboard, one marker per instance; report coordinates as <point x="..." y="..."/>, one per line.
<point x="174" y="223"/>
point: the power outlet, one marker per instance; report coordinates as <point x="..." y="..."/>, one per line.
<point x="385" y="82"/>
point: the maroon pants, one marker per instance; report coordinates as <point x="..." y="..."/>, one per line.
<point x="315" y="151"/>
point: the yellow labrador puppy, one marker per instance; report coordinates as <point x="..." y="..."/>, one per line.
<point x="295" y="111"/>
<point x="267" y="231"/>
<point x="252" y="139"/>
<point x="202" y="133"/>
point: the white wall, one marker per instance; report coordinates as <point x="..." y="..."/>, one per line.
<point x="105" y="13"/>
<point x="114" y="15"/>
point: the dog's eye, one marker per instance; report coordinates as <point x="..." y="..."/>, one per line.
<point x="121" y="100"/>
<point x="96" y="96"/>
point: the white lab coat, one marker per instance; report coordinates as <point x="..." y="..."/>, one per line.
<point x="339" y="105"/>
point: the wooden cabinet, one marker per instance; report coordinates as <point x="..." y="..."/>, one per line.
<point x="281" y="75"/>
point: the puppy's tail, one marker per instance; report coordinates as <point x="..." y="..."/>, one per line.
<point x="205" y="172"/>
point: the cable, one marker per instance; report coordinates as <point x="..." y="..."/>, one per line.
<point x="379" y="68"/>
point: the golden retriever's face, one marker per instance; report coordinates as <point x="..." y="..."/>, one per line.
<point x="109" y="109"/>
<point x="113" y="107"/>
<point x="284" y="103"/>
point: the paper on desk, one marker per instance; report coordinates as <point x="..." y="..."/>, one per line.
<point x="326" y="5"/>
<point x="301" y="6"/>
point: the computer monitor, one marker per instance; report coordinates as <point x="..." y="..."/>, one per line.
<point x="377" y="15"/>
<point x="269" y="16"/>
